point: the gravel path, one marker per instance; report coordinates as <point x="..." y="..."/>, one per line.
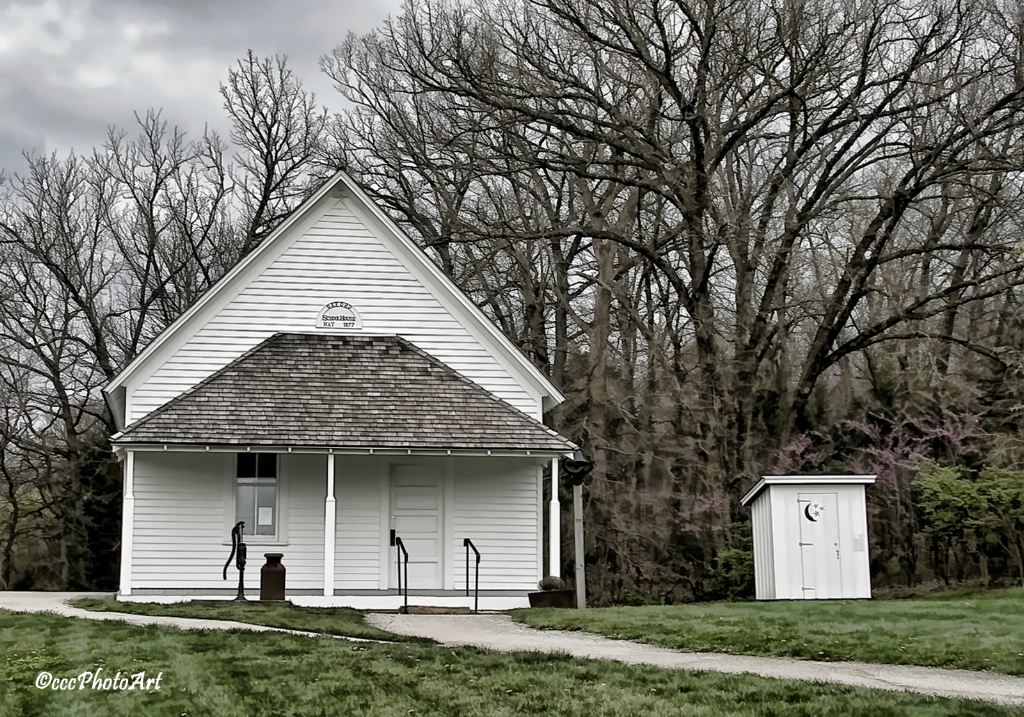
<point x="58" y="603"/>
<point x="500" y="632"/>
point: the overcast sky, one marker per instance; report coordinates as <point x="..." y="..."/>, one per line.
<point x="71" y="68"/>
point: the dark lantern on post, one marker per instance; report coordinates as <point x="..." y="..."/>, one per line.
<point x="577" y="468"/>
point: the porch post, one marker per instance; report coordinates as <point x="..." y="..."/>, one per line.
<point x="127" y="522"/>
<point x="554" y="525"/>
<point x="329" y="521"/>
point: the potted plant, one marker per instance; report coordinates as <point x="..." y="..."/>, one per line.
<point x="553" y="593"/>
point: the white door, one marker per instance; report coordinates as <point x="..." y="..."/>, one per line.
<point x="819" y="545"/>
<point x="416" y="518"/>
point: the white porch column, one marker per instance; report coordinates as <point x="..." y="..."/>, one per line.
<point x="554" y="526"/>
<point x="127" y="522"/>
<point x="329" y="521"/>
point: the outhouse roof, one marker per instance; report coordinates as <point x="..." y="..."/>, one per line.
<point x="341" y="391"/>
<point x="767" y="481"/>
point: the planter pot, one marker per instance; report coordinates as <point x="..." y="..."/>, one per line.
<point x="553" y="598"/>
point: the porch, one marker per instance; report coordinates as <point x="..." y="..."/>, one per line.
<point x="332" y="514"/>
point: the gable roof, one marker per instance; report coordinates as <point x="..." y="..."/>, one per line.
<point x="341" y="391"/>
<point x="436" y="281"/>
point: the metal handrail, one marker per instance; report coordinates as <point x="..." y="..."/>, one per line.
<point x="476" y="587"/>
<point x="404" y="554"/>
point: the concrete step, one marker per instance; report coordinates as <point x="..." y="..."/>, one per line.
<point x="435" y="610"/>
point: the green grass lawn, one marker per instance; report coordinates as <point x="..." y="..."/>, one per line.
<point x="333" y="621"/>
<point x="982" y="631"/>
<point x="236" y="674"/>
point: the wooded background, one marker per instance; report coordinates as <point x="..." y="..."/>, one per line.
<point x="742" y="238"/>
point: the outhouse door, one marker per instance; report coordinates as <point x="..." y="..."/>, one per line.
<point x="819" y="545"/>
<point x="416" y="511"/>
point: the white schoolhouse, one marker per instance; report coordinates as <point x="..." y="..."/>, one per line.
<point x="335" y="390"/>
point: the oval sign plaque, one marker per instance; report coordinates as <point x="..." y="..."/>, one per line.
<point x="339" y="315"/>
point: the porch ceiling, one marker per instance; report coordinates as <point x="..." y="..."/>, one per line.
<point x="330" y="391"/>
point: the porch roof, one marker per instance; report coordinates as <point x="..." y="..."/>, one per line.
<point x="341" y="391"/>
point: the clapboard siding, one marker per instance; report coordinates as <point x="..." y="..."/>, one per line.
<point x="179" y="521"/>
<point x="184" y="508"/>
<point x="357" y="536"/>
<point x="497" y="506"/>
<point x="306" y="486"/>
<point x="184" y="505"/>
<point x="336" y="258"/>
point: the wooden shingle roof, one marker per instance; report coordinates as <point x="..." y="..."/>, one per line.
<point x="343" y="392"/>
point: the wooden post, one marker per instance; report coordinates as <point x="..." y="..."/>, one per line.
<point x="330" y="519"/>
<point x="127" y="522"/>
<point x="554" y="525"/>
<point x="581" y="576"/>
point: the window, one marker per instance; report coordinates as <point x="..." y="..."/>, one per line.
<point x="256" y="493"/>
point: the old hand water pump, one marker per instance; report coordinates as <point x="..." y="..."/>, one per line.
<point x="238" y="551"/>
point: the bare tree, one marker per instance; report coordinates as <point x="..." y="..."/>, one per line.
<point x="278" y="130"/>
<point x="98" y="255"/>
<point x="737" y="203"/>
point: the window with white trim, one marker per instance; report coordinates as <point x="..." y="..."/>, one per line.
<point x="256" y="493"/>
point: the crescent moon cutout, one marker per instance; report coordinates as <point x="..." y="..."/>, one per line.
<point x="807" y="512"/>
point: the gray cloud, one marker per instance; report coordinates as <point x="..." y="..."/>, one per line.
<point x="71" y="68"/>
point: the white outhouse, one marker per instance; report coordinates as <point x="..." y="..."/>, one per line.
<point x="810" y="537"/>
